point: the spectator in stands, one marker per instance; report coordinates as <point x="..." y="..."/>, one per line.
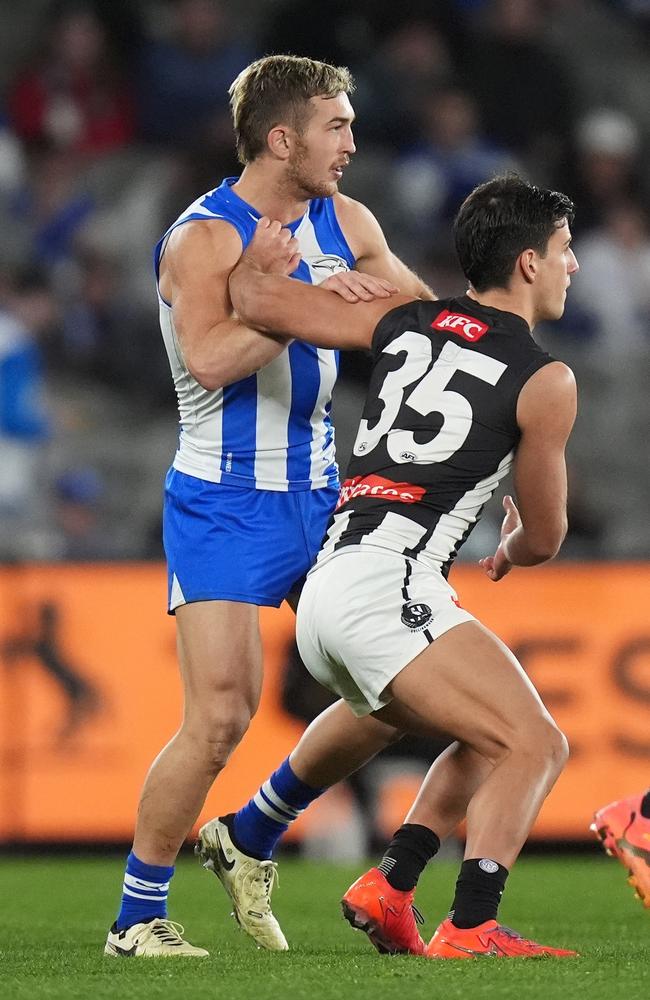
<point x="26" y="311"/>
<point x="183" y="79"/>
<point x="52" y="207"/>
<point x="607" y="165"/>
<point x="82" y="531"/>
<point x="525" y="98"/>
<point x="405" y="70"/>
<point x="451" y="158"/>
<point x="613" y="292"/>
<point x="73" y="96"/>
<point x="107" y="336"/>
<point x="614" y="285"/>
<point x="337" y="32"/>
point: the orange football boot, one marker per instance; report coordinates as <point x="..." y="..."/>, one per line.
<point x="488" y="940"/>
<point x="387" y="915"/>
<point x="625" y="834"/>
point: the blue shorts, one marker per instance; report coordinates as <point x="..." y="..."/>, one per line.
<point x="231" y="543"/>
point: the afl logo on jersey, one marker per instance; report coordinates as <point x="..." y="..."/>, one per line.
<point x="467" y="327"/>
<point x="327" y="263"/>
<point x="416" y="616"/>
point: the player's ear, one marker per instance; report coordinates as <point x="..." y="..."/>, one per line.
<point x="527" y="265"/>
<point x="279" y="141"/>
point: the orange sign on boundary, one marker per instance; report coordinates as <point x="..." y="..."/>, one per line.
<point x="90" y="691"/>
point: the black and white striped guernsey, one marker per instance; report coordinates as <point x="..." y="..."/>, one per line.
<point x="438" y="430"/>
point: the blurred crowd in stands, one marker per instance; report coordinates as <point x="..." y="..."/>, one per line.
<point x="114" y="116"/>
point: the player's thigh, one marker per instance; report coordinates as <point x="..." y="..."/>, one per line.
<point x="220" y="653"/>
<point x="469" y="684"/>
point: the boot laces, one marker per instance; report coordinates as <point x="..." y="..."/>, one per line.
<point x="167" y="931"/>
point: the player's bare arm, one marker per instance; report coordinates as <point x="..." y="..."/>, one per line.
<point x="217" y="347"/>
<point x="534" y="532"/>
<point x="373" y="255"/>
<point x="270" y="302"/>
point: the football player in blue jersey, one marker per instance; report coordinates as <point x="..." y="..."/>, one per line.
<point x="254" y="480"/>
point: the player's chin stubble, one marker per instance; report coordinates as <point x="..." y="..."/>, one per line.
<point x="305" y="185"/>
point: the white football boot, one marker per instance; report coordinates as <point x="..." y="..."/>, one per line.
<point x="157" y="938"/>
<point x="248" y="881"/>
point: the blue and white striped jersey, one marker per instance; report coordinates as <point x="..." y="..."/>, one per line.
<point x="272" y="430"/>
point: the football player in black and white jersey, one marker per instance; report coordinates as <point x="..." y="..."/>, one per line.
<point x="459" y="392"/>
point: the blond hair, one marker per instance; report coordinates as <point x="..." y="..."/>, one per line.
<point x="276" y="89"/>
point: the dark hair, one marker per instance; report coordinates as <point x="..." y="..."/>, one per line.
<point x="498" y="221"/>
<point x="278" y="87"/>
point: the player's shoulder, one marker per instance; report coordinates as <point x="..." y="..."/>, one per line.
<point x="196" y="240"/>
<point x="548" y="396"/>
<point x="354" y="214"/>
<point x="344" y="203"/>
<point x="395" y="316"/>
<point x="554" y="377"/>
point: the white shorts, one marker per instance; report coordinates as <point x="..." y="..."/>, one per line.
<point x="364" y="614"/>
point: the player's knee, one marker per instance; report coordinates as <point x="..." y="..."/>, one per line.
<point x="559" y="748"/>
<point x="223" y="737"/>
<point x="548" y="744"/>
<point x="555" y="745"/>
<point x="218" y="729"/>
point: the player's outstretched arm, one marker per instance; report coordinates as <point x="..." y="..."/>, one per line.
<point x="373" y="255"/>
<point x="217" y="347"/>
<point x="534" y="532"/>
<point x="267" y="300"/>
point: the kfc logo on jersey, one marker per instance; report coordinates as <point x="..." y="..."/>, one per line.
<point x="466" y="327"/>
<point x="380" y="489"/>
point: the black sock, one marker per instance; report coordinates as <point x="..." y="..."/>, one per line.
<point x="407" y="854"/>
<point x="478" y="892"/>
<point x="645" y="805"/>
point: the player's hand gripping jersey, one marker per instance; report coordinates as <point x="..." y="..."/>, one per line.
<point x="438" y="431"/>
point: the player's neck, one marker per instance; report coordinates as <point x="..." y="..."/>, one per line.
<point x="507" y="301"/>
<point x="267" y="191"/>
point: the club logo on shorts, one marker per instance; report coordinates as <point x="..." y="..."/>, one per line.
<point x="416" y="616"/>
<point x="488" y="866"/>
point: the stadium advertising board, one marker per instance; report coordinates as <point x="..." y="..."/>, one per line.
<point x="90" y="690"/>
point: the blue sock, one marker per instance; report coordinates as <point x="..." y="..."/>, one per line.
<point x="144" y="893"/>
<point x="262" y="821"/>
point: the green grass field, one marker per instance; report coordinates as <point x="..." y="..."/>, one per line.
<point x="55" y="913"/>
